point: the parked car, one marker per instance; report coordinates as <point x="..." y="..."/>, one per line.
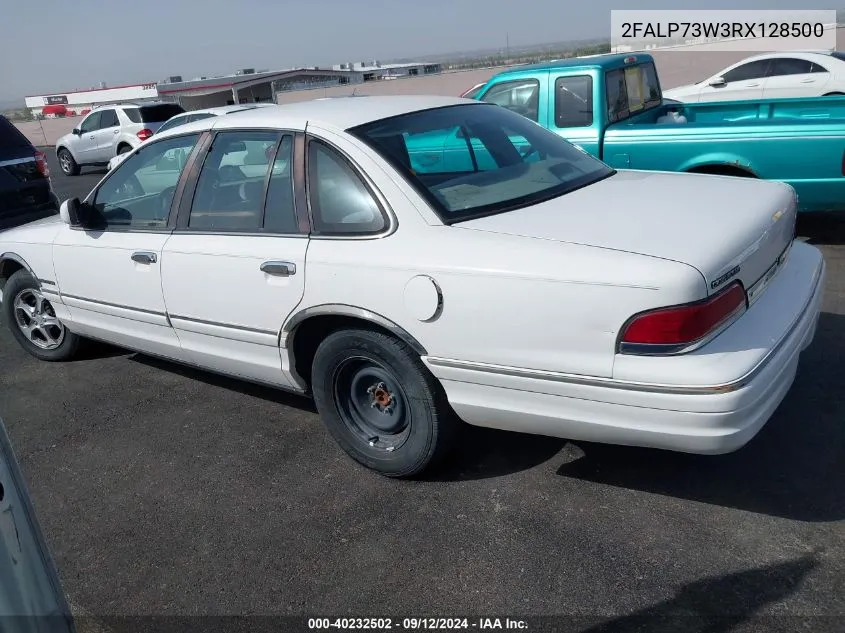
<point x="31" y="594"/>
<point x="26" y="192"/>
<point x="471" y="92"/>
<point x="770" y="76"/>
<point x="332" y="248"/>
<point x="111" y="130"/>
<point x="193" y="115"/>
<point x="612" y="106"/>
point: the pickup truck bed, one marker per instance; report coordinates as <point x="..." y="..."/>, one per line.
<point x="798" y="141"/>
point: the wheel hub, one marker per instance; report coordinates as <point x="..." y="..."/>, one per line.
<point x="37" y="320"/>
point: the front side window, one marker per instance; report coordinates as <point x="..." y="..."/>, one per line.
<point x="230" y="189"/>
<point x="746" y="72"/>
<point x="91" y="124"/>
<point x="507" y="162"/>
<point x="574" y="101"/>
<point x="341" y="204"/>
<point x="631" y="90"/>
<point x="521" y="96"/>
<point x="138" y="192"/>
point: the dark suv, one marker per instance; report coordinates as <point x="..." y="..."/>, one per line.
<point x="26" y="193"/>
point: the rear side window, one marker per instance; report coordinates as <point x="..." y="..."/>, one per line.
<point x="789" y="66"/>
<point x="574" y="101"/>
<point x="132" y="114"/>
<point x="10" y="136"/>
<point x="108" y="118"/>
<point x="159" y="113"/>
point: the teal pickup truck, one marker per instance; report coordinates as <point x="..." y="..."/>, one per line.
<point x="612" y="107"/>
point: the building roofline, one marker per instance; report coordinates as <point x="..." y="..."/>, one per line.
<point x="71" y="92"/>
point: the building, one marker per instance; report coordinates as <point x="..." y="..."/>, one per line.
<point x="77" y="102"/>
<point x="249" y="86"/>
<point x="245" y="86"/>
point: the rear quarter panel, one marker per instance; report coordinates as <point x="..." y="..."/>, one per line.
<point x="506" y="300"/>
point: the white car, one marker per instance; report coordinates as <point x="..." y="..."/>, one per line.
<point x="770" y="76"/>
<point x="410" y="265"/>
<point x="109" y="131"/>
<point x="193" y="115"/>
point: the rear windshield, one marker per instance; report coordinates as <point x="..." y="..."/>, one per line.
<point x="631" y="90"/>
<point x="153" y="113"/>
<point x="10" y="136"/>
<point x="477" y="159"/>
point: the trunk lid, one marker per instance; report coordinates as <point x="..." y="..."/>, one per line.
<point x="728" y="228"/>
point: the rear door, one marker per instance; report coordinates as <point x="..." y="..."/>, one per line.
<point x="794" y="77"/>
<point x="25" y="192"/>
<point x="234" y="268"/>
<point x="108" y="129"/>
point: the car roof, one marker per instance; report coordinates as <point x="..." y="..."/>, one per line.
<point x="805" y="54"/>
<point x="338" y="114"/>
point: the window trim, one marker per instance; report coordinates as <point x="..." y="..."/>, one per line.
<point x="202" y="138"/>
<point x="181" y="213"/>
<point x="391" y="222"/>
<point x="592" y="102"/>
<point x="531" y="80"/>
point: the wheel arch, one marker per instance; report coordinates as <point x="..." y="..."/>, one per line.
<point x="306" y="329"/>
<point x="10" y="263"/>
<point x="723" y="169"/>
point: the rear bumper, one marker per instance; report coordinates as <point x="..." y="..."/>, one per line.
<point x="705" y="418"/>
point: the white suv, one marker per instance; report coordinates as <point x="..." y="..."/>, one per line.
<point x="109" y="131"/>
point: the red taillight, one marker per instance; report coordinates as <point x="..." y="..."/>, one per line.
<point x="686" y="324"/>
<point x="41" y="162"/>
<point x="144" y="134"/>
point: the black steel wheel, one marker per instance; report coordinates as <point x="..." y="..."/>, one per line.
<point x="380" y="403"/>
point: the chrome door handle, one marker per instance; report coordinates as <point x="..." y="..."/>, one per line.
<point x="282" y="269"/>
<point x="143" y="257"/>
<point x="752" y="85"/>
<point x="808" y="81"/>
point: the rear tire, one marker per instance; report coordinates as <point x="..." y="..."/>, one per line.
<point x="32" y="321"/>
<point x="381" y="404"/>
<point x="67" y="163"/>
<point x="123" y="149"/>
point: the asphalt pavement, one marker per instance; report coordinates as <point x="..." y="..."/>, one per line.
<point x="164" y="490"/>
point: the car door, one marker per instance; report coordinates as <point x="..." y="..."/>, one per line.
<point x="233" y="270"/>
<point x="85" y="146"/>
<point x="741" y="83"/>
<point x="109" y="273"/>
<point x="794" y="77"/>
<point x="107" y="130"/>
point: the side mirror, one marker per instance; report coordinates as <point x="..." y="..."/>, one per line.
<point x="74" y="213"/>
<point x="717" y="81"/>
<point x="76" y="131"/>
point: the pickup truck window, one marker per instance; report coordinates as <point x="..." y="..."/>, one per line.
<point x="574" y="101"/>
<point x="474" y="160"/>
<point x="521" y="96"/>
<point x="631" y="90"/>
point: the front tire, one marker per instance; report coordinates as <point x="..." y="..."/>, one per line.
<point x="32" y="320"/>
<point x="67" y="163"/>
<point x="380" y="403"/>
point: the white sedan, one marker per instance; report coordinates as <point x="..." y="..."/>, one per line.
<point x="770" y="76"/>
<point x="417" y="262"/>
<point x="193" y="115"/>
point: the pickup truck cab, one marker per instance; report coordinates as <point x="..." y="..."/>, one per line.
<point x="612" y="106"/>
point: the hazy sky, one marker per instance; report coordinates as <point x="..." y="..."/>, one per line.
<point x="60" y="45"/>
